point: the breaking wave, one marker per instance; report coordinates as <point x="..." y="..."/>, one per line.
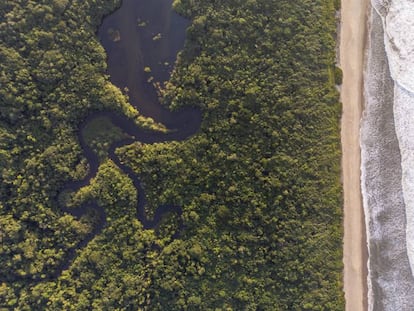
<point x="398" y="23"/>
<point x="387" y="148"/>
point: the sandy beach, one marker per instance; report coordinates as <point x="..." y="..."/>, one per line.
<point x="352" y="45"/>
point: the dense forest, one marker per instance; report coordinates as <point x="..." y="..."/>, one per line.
<point x="258" y="185"/>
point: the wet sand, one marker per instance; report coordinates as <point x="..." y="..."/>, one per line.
<point x="355" y="256"/>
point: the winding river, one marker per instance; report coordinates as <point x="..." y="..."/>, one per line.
<point x="142" y="39"/>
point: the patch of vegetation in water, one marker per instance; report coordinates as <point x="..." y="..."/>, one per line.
<point x="111" y="189"/>
<point x="115" y="35"/>
<point x="100" y="133"/>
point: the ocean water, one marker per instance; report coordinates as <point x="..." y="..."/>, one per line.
<point x="387" y="155"/>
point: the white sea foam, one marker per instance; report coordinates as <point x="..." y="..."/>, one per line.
<point x="388" y="157"/>
<point x="398" y="23"/>
<point x="399" y="41"/>
<point x="387" y="147"/>
<point x="404" y="126"/>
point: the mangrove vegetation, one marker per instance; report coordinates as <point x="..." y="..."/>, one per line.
<point x="251" y="203"/>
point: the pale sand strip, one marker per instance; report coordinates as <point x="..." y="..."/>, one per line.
<point x="352" y="44"/>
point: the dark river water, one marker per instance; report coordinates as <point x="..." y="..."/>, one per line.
<point x="144" y="35"/>
<point x="141" y="39"/>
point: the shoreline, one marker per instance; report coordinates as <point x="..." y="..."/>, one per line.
<point x="353" y="34"/>
<point x="391" y="283"/>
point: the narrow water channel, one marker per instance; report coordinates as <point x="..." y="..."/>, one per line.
<point x="141" y="39"/>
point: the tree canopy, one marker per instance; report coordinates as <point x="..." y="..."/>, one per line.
<point x="258" y="185"/>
